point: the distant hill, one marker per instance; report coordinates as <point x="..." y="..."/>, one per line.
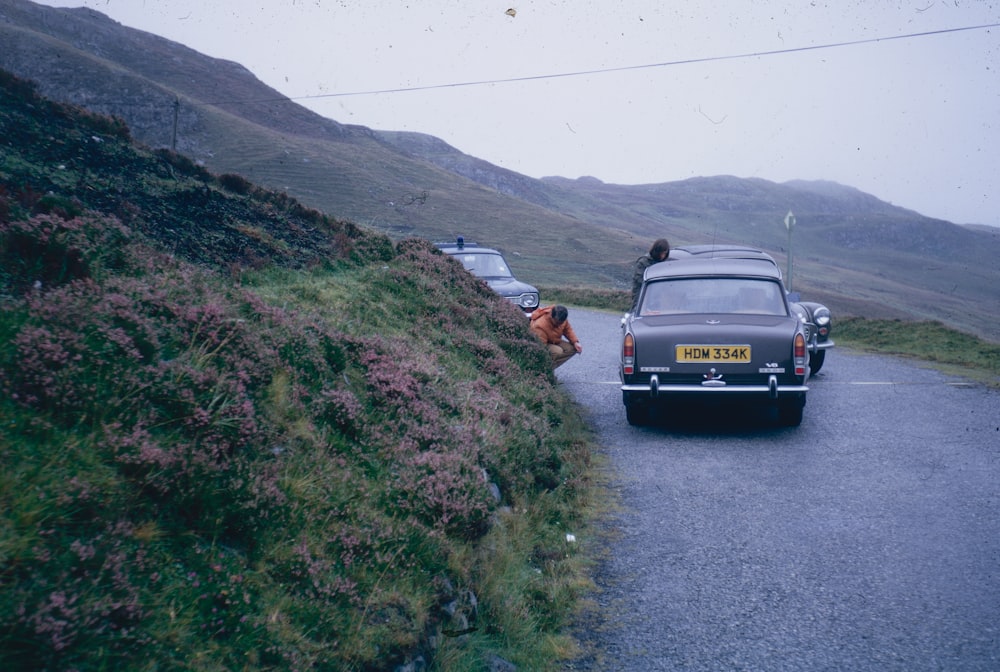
<point x="230" y="122"/>
<point x="858" y="254"/>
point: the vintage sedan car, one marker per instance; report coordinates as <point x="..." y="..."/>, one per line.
<point x="709" y="328"/>
<point x="489" y="264"/>
<point x="814" y="315"/>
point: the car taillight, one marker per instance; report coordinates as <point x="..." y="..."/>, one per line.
<point x="799" y="351"/>
<point x="628" y="355"/>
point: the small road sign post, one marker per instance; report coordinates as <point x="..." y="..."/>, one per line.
<point x="789" y="224"/>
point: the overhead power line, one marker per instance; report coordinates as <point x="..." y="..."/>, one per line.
<point x="623" y="68"/>
<point x="664" y="64"/>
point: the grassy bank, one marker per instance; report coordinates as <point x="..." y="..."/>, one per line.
<point x="944" y="348"/>
<point x="240" y="434"/>
<point x="340" y="468"/>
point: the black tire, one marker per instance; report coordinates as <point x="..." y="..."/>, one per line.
<point x="790" y="411"/>
<point x="816" y="360"/>
<point x="636" y="412"/>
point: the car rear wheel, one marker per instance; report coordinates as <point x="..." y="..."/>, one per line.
<point x="790" y="411"/>
<point x="816" y="360"/>
<point x="636" y="412"/>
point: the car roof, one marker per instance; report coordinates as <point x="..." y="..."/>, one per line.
<point x="464" y="246"/>
<point x="720" y="250"/>
<point x="700" y="266"/>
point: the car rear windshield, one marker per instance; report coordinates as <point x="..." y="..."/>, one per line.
<point x="713" y="295"/>
<point x="485" y="265"/>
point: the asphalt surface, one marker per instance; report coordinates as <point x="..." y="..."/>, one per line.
<point x="868" y="538"/>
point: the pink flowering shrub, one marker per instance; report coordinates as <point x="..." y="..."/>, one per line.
<point x="49" y="249"/>
<point x="77" y="592"/>
<point x="444" y="488"/>
<point x="341" y="408"/>
<point x="434" y="471"/>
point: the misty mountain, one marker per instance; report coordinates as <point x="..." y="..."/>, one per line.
<point x="859" y="254"/>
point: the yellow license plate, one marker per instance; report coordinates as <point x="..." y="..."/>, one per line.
<point x="712" y="353"/>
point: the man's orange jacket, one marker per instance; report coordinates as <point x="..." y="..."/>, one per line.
<point x="545" y="329"/>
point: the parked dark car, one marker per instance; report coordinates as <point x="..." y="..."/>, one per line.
<point x="489" y="264"/>
<point x="708" y="328"/>
<point x="815" y="316"/>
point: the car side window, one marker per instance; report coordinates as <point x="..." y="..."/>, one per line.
<point x="469" y="261"/>
<point x="497" y="265"/>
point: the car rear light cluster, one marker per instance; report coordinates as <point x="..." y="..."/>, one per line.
<point x="799" y="353"/>
<point x="628" y="355"/>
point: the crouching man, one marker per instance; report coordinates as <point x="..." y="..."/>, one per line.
<point x="551" y="326"/>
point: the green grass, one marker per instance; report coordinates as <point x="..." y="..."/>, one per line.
<point x="944" y="348"/>
<point x="587" y="297"/>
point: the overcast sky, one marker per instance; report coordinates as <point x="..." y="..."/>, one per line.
<point x="894" y="97"/>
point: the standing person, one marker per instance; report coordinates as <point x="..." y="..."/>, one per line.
<point x="657" y="253"/>
<point x="551" y="326"/>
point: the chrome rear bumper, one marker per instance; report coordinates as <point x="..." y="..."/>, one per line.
<point x="772" y="389"/>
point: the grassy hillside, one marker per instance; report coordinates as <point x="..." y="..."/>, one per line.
<point x="240" y="434"/>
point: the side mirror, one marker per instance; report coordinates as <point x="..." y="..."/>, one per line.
<point x="794" y="297"/>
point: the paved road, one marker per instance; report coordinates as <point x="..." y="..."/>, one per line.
<point x="866" y="539"/>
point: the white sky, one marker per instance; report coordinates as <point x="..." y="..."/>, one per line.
<point x="913" y="121"/>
